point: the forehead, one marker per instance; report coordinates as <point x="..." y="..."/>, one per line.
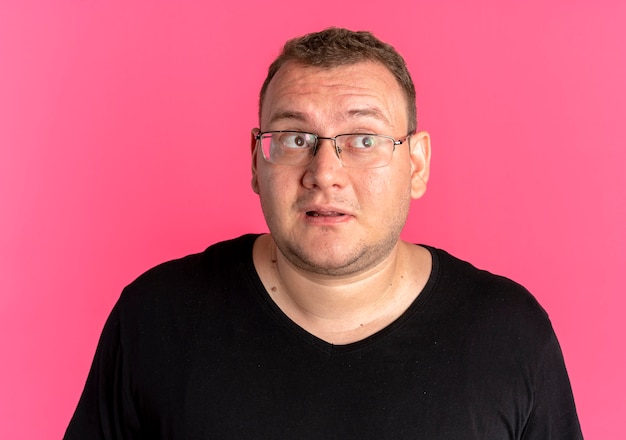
<point x="323" y="96"/>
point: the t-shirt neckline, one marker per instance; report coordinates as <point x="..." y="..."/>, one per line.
<point x="310" y="339"/>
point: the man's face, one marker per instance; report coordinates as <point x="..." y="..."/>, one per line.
<point x="324" y="217"/>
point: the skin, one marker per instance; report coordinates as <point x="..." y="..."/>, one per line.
<point x="343" y="273"/>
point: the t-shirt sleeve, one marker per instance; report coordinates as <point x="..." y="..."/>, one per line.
<point x="105" y="410"/>
<point x="554" y="413"/>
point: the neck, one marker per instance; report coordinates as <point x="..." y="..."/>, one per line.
<point x="334" y="297"/>
<point x="338" y="309"/>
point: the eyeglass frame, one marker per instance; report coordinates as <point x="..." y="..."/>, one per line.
<point x="338" y="150"/>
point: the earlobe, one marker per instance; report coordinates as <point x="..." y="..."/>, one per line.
<point x="253" y="151"/>
<point x="420" y="163"/>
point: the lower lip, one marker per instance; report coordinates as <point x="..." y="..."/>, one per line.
<point x="324" y="220"/>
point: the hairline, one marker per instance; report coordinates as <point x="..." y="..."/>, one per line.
<point x="335" y="47"/>
<point x="411" y="122"/>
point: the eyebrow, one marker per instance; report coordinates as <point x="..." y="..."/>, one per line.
<point x="372" y="112"/>
<point x="288" y="115"/>
<point x="293" y="115"/>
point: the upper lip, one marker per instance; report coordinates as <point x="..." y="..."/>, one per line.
<point x="328" y="209"/>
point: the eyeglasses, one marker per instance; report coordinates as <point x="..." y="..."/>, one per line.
<point x="358" y="150"/>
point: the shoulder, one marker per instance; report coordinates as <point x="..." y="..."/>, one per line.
<point x="472" y="283"/>
<point x="215" y="256"/>
<point x="481" y="299"/>
<point x="193" y="273"/>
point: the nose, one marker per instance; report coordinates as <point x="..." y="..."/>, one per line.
<point x="326" y="169"/>
<point x="332" y="141"/>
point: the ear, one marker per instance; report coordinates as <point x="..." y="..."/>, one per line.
<point x="253" y="150"/>
<point x="419" y="149"/>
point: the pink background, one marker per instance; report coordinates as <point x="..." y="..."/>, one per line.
<point x="124" y="134"/>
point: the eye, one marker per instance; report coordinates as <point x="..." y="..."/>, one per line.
<point x="297" y="140"/>
<point x="362" y="141"/>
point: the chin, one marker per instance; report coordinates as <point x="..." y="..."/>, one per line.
<point x="333" y="260"/>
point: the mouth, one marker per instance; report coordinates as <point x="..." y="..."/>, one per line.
<point x="324" y="214"/>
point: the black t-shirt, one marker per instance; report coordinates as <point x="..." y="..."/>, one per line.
<point x="196" y="349"/>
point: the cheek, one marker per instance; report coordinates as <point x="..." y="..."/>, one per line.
<point x="275" y="189"/>
<point x="374" y="191"/>
<point x="385" y="188"/>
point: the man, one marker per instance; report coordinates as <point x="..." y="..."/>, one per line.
<point x="330" y="326"/>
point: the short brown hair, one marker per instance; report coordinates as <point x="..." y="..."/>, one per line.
<point x="334" y="47"/>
